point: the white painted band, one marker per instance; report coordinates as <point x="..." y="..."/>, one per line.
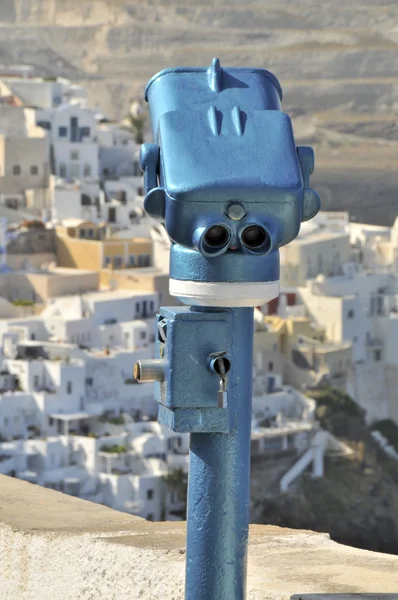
<point x="207" y="293"/>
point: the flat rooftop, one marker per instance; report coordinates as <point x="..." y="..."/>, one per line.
<point x="114" y="295"/>
<point x="320" y="236"/>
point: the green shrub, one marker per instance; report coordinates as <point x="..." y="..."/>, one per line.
<point x="338" y="413"/>
<point x="34" y="429"/>
<point x="108" y="417"/>
<point x="115" y="449"/>
<point x="116" y="420"/>
<point x="23" y="303"/>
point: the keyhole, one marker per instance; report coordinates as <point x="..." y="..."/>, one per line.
<point x="221" y="366"/>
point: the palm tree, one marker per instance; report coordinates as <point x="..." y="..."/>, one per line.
<point x="137" y="120"/>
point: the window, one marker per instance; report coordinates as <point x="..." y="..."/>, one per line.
<point x="69" y="387"/>
<point x="16" y="170"/>
<point x="44" y="125"/>
<point x="62" y="131"/>
<point x="90" y="233"/>
<point x="142" y="335"/>
<point x="149" y="494"/>
<point x="117" y="262"/>
<point x="74" y="155"/>
<point x="85" y="200"/>
<point x="270" y="366"/>
<point x="144" y="260"/>
<point x="62" y="170"/>
<point x="350" y="314"/>
<point x="140" y="191"/>
<point x="149" y="517"/>
<point x="74" y="129"/>
<point x="107" y="261"/>
<point x="112" y="214"/>
<point x="32" y="336"/>
<point x="152" y="306"/>
<point x="34" y="170"/>
<point x="74" y="170"/>
<point x="50" y="421"/>
<point x="84" y="132"/>
<point x="132" y="260"/>
<point x="377" y="355"/>
<point x="138" y="308"/>
<point x="355" y="339"/>
<point x="87" y="170"/>
<point x="309" y="268"/>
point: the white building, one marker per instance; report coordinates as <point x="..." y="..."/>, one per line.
<point x="360" y="305"/>
<point x="43" y="94"/>
<point x="24" y="156"/>
<point x="315" y="251"/>
<point x="73" y="418"/>
<point x="63" y="159"/>
<point x="74" y="143"/>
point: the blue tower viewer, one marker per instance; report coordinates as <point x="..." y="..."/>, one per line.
<point x="228" y="183"/>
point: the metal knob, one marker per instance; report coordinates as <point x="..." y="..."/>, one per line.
<point x="150" y="370"/>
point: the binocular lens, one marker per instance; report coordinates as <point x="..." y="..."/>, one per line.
<point x="254" y="236"/>
<point x="217" y="236"/>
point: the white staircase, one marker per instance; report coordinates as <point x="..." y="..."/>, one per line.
<point x="314" y="455"/>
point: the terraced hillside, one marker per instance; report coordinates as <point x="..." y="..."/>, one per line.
<point x="337" y="62"/>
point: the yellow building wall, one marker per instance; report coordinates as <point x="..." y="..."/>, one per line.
<point x="94" y="254"/>
<point x="18" y="261"/>
<point x="2" y="156"/>
<point x="133" y="279"/>
<point x="126" y="248"/>
<point x="60" y="285"/>
<point x="79" y="254"/>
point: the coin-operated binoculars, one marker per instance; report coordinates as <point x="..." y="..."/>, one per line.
<point x="228" y="183"/>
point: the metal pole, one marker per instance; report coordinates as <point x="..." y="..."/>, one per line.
<point x="218" y="490"/>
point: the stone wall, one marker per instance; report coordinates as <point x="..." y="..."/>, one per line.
<point x="34" y="241"/>
<point x="54" y="546"/>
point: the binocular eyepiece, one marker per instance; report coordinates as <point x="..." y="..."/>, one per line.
<point x="220" y="238"/>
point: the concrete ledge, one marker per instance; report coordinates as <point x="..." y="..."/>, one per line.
<point x="54" y="547"/>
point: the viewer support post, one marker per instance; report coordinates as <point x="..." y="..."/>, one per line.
<point x="226" y="180"/>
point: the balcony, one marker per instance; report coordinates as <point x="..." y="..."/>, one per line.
<point x="375" y="343"/>
<point x="57" y="546"/>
